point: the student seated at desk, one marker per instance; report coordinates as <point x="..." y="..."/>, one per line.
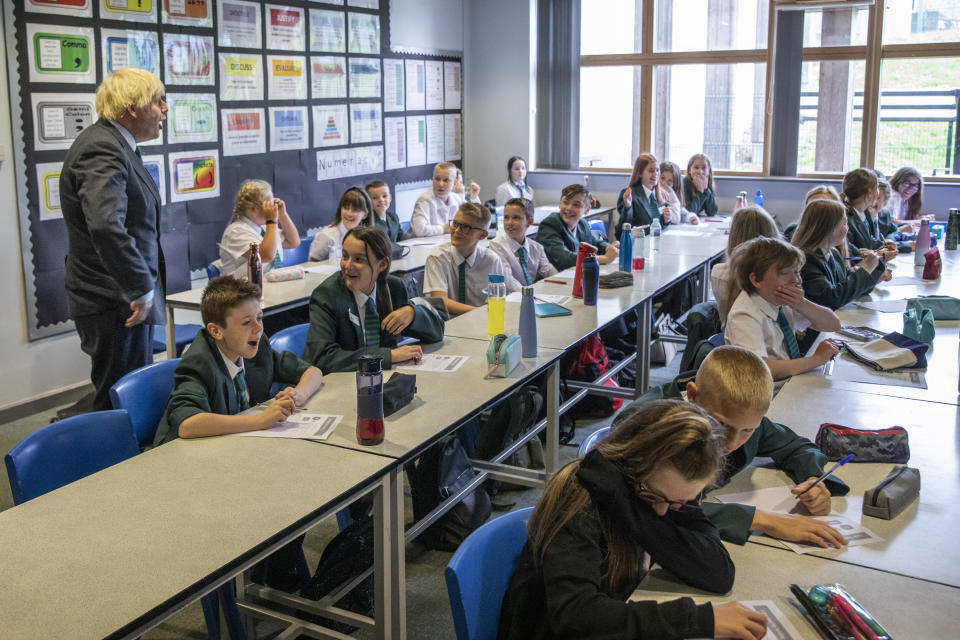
<point x="770" y="309"/>
<point x="906" y="200"/>
<point x="858" y="195"/>
<point x="734" y="386"/>
<point x="604" y="519"/>
<point x="353" y="211"/>
<point x="523" y="256"/>
<point x="384" y="219"/>
<point x="361" y="310"/>
<point x="748" y="223"/>
<point x="883" y="219"/>
<point x="645" y="198"/>
<point x="256" y="216"/>
<point x="698" y="189"/>
<point x="516" y="185"/>
<point x="435" y="208"/>
<point x="562" y="232"/>
<point x="671" y="184"/>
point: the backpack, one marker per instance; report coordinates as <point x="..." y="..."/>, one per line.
<point x="586" y="364"/>
<point x="505" y="424"/>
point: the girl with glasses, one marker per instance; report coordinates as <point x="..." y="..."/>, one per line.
<point x="907" y="196"/>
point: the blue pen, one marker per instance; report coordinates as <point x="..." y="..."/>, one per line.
<point x="854" y="258"/>
<point x="829" y="471"/>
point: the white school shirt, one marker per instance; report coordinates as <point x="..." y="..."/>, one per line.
<point x="236" y="242"/>
<point x="538" y="265"/>
<point x="752" y="324"/>
<point x="508" y="190"/>
<point x="897" y="206"/>
<point x="430" y="213"/>
<point x="325" y="239"/>
<point x="671" y="199"/>
<point x="442" y="272"/>
<point x="720" y="281"/>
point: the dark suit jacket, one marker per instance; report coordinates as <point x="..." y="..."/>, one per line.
<point x="559" y="244"/>
<point x="640" y="213"/>
<point x="702" y="204"/>
<point x="334" y="341"/>
<point x="202" y="384"/>
<point x="827" y="281"/>
<point x="111" y="207"/>
<point x="859" y="234"/>
<point x="390" y="226"/>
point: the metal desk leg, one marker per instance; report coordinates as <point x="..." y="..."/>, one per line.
<point x="702" y="289"/>
<point x="552" y="462"/>
<point x="171" y="332"/>
<point x="643" y="346"/>
<point x="389" y="559"/>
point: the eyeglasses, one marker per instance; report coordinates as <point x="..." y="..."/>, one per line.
<point x="653" y="499"/>
<point x="462" y="226"/>
<point x="912" y="185"/>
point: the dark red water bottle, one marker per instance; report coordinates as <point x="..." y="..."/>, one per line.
<point x="369" y="400"/>
<point x="586" y="249"/>
<point x="255" y="268"/>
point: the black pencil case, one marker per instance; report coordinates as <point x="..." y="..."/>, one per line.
<point x="398" y="392"/>
<point x="893" y="495"/>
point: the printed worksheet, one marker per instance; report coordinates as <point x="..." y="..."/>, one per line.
<point x="435" y="363"/>
<point x="302" y="424"/>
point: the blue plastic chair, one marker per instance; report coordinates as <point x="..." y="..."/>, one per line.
<point x="143" y="393"/>
<point x="183" y="335"/>
<point x="213" y="271"/>
<point x="599" y="227"/>
<point x="479" y="572"/>
<point x="292" y="339"/>
<point x="298" y="255"/>
<point x="716" y="340"/>
<point x="591" y="440"/>
<point x="404" y="227"/>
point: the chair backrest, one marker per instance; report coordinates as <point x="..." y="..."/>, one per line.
<point x="298" y="255"/>
<point x="479" y="572"/>
<point x="599" y="227"/>
<point x="591" y="440"/>
<point x="292" y="339"/>
<point x="68" y="450"/>
<point x="213" y="271"/>
<point x="716" y="339"/>
<point x="144" y="393"/>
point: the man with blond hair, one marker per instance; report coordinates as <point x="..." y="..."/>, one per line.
<point x="111" y="206"/>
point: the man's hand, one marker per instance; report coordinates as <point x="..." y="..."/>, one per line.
<point x="139" y="313"/>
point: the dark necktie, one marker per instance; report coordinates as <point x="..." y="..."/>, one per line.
<point x="654" y="207"/>
<point x="371" y="324"/>
<point x="243" y="396"/>
<point x="788" y="335"/>
<point x="522" y="258"/>
<point x="462" y="284"/>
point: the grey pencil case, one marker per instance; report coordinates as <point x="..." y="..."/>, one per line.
<point x="893" y="495"/>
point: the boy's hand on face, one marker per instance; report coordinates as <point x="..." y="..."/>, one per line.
<point x="798" y="528"/>
<point x="816" y="500"/>
<point x="790" y="295"/>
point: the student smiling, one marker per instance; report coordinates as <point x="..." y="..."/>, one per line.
<point x="562" y="232"/>
<point x="353" y="211"/>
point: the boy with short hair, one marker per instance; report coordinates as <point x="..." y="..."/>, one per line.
<point x="735" y="387"/>
<point x="523" y="256"/>
<point x="230" y="367"/>
<point x="562" y="232"/>
<point x="457" y="271"/>
<point x="385" y="220"/>
<point x="435" y="208"/>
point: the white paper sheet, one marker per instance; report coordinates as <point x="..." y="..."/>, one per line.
<point x="778" y="627"/>
<point x="451" y="85"/>
<point x="364" y="77"/>
<point x="435" y="135"/>
<point x="541" y="297"/>
<point x="244" y="131"/>
<point x="287" y="77"/>
<point x="416" y="140"/>
<point x="884" y="306"/>
<point x="285" y="28"/>
<point x="393" y="85"/>
<point x="303" y="425"/>
<point x="416" y="85"/>
<point x="855" y="533"/>
<point x="329" y="77"/>
<point x="328" y="31"/>
<point x="435" y="363"/>
<point x="395" y="130"/>
<point x="365" y="123"/>
<point x="434" y="84"/>
<point x="452" y="140"/>
<point x="848" y="369"/>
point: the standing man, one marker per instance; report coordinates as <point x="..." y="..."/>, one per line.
<point x="115" y="271"/>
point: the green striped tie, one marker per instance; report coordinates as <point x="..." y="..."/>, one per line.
<point x="277" y="258"/>
<point x="788" y="335"/>
<point x="243" y="396"/>
<point x="371" y="324"/>
<point x="522" y="257"/>
<point x="462" y="284"/>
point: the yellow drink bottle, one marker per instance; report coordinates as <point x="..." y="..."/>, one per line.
<point x="496" y="303"/>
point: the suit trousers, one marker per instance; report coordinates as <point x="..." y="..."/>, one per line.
<point x="114" y="349"/>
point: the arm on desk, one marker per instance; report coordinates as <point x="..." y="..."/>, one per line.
<point x="201" y="425"/>
<point x="332" y="343"/>
<point x="454" y="308"/>
<point x="310" y="382"/>
<point x="781" y="369"/>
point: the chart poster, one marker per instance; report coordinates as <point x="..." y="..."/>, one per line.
<point x="288" y="128"/>
<point x="364" y="77"/>
<point x="452" y="136"/>
<point x="60" y="7"/>
<point x="364" y="33"/>
<point x="395" y="133"/>
<point x="58" y="118"/>
<point x="194" y="175"/>
<point x="393" y="96"/>
<point x="288" y="77"/>
<point x="344" y="163"/>
<point x="241" y="76"/>
<point x="238" y="24"/>
<point x="140" y="49"/>
<point x="194" y="13"/>
<point x="154" y="166"/>
<point x="244" y="131"/>
<point x="285" y="28"/>
<point x="192" y="117"/>
<point x="136" y="10"/>
<point x="188" y="60"/>
<point x="364" y="4"/>
<point x="416" y="85"/>
<point x="416" y="140"/>
<point x="434" y="139"/>
<point x="62" y="54"/>
<point x="48" y="186"/>
<point x="328" y="77"/>
<point x="328" y="31"/>
<point x="434" y="85"/>
<point x="365" y="122"/>
<point x="451" y="85"/>
<point x="330" y="125"/>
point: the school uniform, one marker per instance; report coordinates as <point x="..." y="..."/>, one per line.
<point x="338" y="324"/>
<point x="898" y="206"/>
<point x="389" y="224"/>
<point x="701" y="203"/>
<point x="430" y="213"/>
<point x="535" y="265"/>
<point x="861" y="234"/>
<point x="509" y="190"/>
<point x="642" y="210"/>
<point x="752" y="324"/>
<point x="327" y="239"/>
<point x="236" y="241"/>
<point x="827" y="281"/>
<point x="561" y="245"/>
<point x="891" y="231"/>
<point x="565" y="596"/>
<point x="442" y="273"/>
<point x="720" y="278"/>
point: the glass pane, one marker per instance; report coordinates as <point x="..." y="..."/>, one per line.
<point x="606" y="117"/>
<point x="831" y="115"/>
<point x="918" y="115"/>
<point x="835" y="27"/>
<point x="609" y="26"/>
<point x="710" y="25"/>
<point x="726" y="98"/>
<point x="921" y="21"/>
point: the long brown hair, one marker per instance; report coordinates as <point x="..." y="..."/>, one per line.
<point x="674" y="170"/>
<point x="378" y="247"/>
<point x="856" y="184"/>
<point x="916" y="200"/>
<point x="817" y="222"/>
<point x="706" y="161"/>
<point x="644" y="160"/>
<point x="664" y="432"/>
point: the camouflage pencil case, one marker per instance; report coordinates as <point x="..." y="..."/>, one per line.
<point x="867" y="445"/>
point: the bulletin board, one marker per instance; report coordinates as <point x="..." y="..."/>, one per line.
<point x="307" y="95"/>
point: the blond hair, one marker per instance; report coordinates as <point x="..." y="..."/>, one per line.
<point x="127" y="88"/>
<point x="734" y="379"/>
<point x="446" y="166"/>
<point x="476" y="212"/>
<point x="818" y="221"/>
<point x="251" y="193"/>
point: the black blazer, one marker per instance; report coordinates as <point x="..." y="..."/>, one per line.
<point x="827" y="281"/>
<point x="390" y="226"/>
<point x="640" y="213"/>
<point x="859" y="234"/>
<point x="559" y="244"/>
<point x="111" y="207"/>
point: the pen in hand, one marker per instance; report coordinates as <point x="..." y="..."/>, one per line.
<point x="827" y="473"/>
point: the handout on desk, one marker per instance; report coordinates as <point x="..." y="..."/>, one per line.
<point x="301" y="424"/>
<point x="846" y="368"/>
<point x="435" y="363"/>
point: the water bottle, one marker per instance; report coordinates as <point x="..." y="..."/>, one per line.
<point x="255" y="267"/>
<point x="500" y="230"/>
<point x="369" y="400"/>
<point x="923" y="244"/>
<point x="496" y="303"/>
<point x="758" y="199"/>
<point x="336" y="251"/>
<point x="639" y="249"/>
<point x="585" y="249"/>
<point x="528" y="323"/>
<point x="591" y="280"/>
<point x="953" y="229"/>
<point x="655" y="230"/>
<point x="741" y="201"/>
<point x="626" y="248"/>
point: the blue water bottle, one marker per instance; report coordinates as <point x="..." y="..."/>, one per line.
<point x="758" y="199"/>
<point x="528" y="324"/>
<point x="626" y="248"/>
<point x="591" y="280"/>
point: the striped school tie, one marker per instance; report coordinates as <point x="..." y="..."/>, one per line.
<point x="788" y="335"/>
<point x="462" y="284"/>
<point x="522" y="258"/>
<point x="243" y="395"/>
<point x="371" y="324"/>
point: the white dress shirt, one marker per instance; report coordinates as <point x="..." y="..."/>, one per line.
<point x="236" y="242"/>
<point x="538" y="265"/>
<point x="442" y="272"/>
<point x="752" y="324"/>
<point x="326" y="239"/>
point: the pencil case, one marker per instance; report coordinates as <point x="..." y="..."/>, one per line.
<point x="616" y="280"/>
<point x="866" y="445"/>
<point x="837" y="615"/>
<point x="282" y="275"/>
<point x="893" y="495"/>
<point x="503" y="354"/>
<point x="942" y="307"/>
<point x="918" y="324"/>
<point x="398" y="392"/>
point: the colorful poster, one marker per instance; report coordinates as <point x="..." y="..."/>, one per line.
<point x="192" y="117"/>
<point x="194" y="175"/>
<point x="365" y="122"/>
<point x="364" y="33"/>
<point x="416" y="85"/>
<point x="195" y="13"/>
<point x="241" y="76"/>
<point x="288" y="77"/>
<point x="330" y="125"/>
<point x="60" y="7"/>
<point x="327" y="31"/>
<point x="59" y="117"/>
<point x="62" y="54"/>
<point x="48" y="190"/>
<point x="188" y="59"/>
<point x="434" y="85"/>
<point x="452" y="137"/>
<point x="243" y="131"/>
<point x="288" y="128"/>
<point x="364" y="77"/>
<point x="135" y="10"/>
<point x="434" y="139"/>
<point x="395" y="137"/>
<point x="154" y="166"/>
<point x="393" y="98"/>
<point x="238" y="24"/>
<point x="451" y="85"/>
<point x="140" y="49"/>
<point x="328" y="77"/>
<point x="285" y="28"/>
<point x="416" y="140"/>
<point x="343" y="163"/>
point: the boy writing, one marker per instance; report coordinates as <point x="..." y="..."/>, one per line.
<point x="435" y="208"/>
<point x="524" y="256"/>
<point x="561" y="233"/>
<point x="380" y="199"/>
